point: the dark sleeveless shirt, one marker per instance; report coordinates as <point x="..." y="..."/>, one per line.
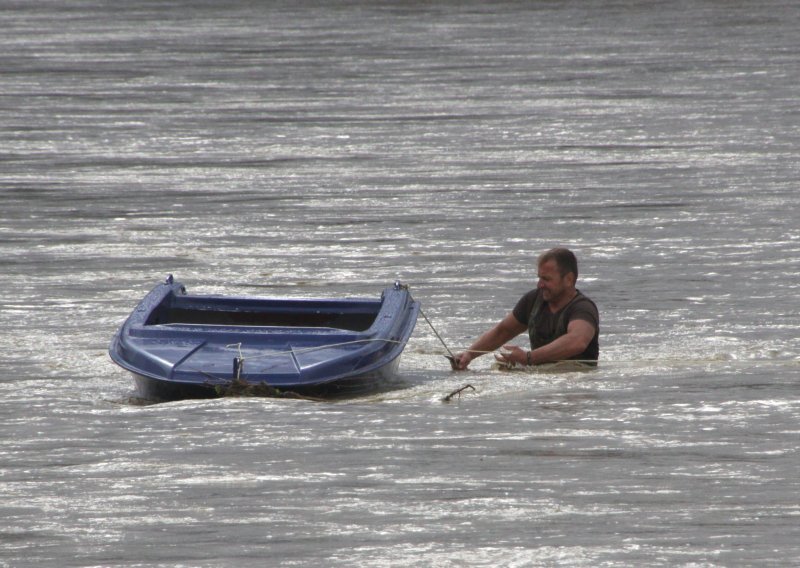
<point x="547" y="326"/>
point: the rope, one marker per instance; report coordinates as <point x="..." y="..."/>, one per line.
<point x="665" y="360"/>
<point x="451" y="356"/>
<point x="309" y="349"/>
<point x="439" y="337"/>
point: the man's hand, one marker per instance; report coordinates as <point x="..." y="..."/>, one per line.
<point x="512" y="355"/>
<point x="461" y="361"/>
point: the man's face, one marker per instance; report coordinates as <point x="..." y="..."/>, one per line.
<point x="551" y="283"/>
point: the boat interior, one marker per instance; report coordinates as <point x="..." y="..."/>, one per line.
<point x="352" y="315"/>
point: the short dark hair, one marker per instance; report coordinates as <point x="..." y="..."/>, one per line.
<point x="564" y="259"/>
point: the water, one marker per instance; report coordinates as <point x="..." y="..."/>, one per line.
<point x="308" y="150"/>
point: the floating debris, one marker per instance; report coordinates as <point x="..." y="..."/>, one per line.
<point x="457" y="393"/>
<point x="241" y="388"/>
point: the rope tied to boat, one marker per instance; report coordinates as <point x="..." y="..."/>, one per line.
<point x="450" y="354"/>
<point x="302" y="350"/>
<point x="238" y="361"/>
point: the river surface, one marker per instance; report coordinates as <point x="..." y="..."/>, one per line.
<point x="328" y="149"/>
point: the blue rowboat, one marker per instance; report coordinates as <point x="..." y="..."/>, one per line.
<point x="180" y="346"/>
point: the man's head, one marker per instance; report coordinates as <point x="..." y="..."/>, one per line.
<point x="564" y="258"/>
<point x="558" y="271"/>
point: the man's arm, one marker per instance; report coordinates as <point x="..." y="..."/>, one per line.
<point x="505" y="330"/>
<point x="579" y="334"/>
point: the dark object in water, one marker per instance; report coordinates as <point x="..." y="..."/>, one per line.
<point x="457" y="393"/>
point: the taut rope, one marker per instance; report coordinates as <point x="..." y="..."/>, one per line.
<point x="439" y="337"/>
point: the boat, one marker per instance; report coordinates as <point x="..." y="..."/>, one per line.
<point x="180" y="346"/>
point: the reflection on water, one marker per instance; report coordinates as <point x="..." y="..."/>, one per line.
<point x="331" y="150"/>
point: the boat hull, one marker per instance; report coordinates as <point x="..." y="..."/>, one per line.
<point x="160" y="390"/>
<point x="180" y="346"/>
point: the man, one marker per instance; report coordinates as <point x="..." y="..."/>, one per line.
<point x="561" y="322"/>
